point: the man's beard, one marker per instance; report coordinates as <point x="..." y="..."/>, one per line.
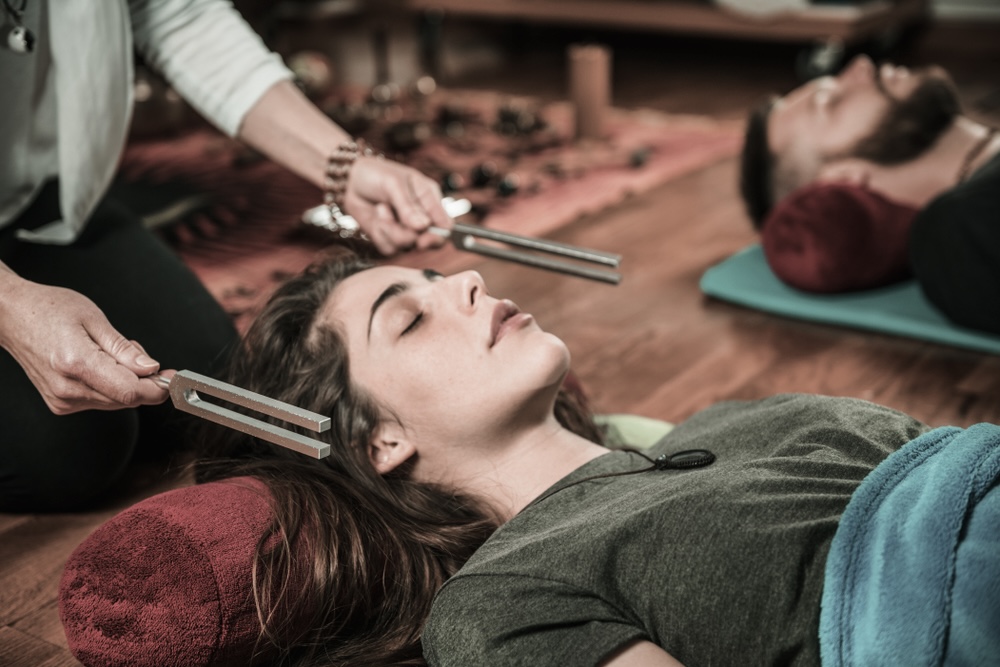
<point x="911" y="126"/>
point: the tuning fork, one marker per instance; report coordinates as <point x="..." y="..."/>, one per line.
<point x="467" y="238"/>
<point x="187" y="389"/>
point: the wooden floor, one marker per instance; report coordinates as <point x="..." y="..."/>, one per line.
<point x="653" y="345"/>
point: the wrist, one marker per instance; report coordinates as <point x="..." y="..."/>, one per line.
<point x="11" y="286"/>
<point x="9" y="283"/>
<point x="339" y="165"/>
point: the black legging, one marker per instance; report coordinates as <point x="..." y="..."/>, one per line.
<point x="55" y="463"/>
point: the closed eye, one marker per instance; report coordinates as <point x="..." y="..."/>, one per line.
<point x="432" y="276"/>
<point x="414" y="324"/>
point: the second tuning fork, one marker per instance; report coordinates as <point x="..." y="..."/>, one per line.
<point x="470" y="238"/>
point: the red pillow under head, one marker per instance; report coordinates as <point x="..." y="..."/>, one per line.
<point x="837" y="237"/>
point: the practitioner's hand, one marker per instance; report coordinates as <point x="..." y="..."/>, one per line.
<point x="70" y="351"/>
<point x="394" y="205"/>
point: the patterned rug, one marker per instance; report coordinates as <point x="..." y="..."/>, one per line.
<point x="235" y="218"/>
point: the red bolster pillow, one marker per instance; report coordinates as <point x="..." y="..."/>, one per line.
<point x="168" y="581"/>
<point x="837" y="237"/>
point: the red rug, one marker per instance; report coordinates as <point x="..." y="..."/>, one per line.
<point x="243" y="235"/>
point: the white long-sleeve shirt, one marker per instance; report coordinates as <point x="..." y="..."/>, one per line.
<point x="65" y="109"/>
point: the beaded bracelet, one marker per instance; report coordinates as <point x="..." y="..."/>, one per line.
<point x="338" y="170"/>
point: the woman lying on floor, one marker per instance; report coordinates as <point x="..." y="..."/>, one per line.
<point x="457" y="456"/>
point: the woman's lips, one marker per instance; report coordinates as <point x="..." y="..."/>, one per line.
<point x="511" y="323"/>
<point x="506" y="317"/>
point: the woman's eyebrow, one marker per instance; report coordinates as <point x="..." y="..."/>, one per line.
<point x="389" y="292"/>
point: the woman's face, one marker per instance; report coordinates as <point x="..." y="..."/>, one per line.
<point x="454" y="365"/>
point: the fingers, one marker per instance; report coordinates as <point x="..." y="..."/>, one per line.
<point x="404" y="200"/>
<point x="420" y="202"/>
<point x="428" y="195"/>
<point x="111" y="374"/>
<point x="96" y="382"/>
<point x="387" y="234"/>
<point x="396" y="205"/>
<point x="125" y="352"/>
<point x="76" y="359"/>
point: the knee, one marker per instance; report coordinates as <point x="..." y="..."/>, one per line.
<point x="65" y="463"/>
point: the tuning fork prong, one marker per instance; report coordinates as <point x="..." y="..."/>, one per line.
<point x="467" y="237"/>
<point x="188" y="389"/>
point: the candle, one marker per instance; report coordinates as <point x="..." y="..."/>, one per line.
<point x="590" y="88"/>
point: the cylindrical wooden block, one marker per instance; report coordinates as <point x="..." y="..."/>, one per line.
<point x="590" y="88"/>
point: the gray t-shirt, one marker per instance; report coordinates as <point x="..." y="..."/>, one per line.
<point x="719" y="565"/>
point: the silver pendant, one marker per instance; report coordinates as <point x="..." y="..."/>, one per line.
<point x="20" y="40"/>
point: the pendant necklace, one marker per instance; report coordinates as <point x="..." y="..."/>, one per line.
<point x="19" y="39"/>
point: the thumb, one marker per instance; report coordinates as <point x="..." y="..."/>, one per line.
<point x="127" y="353"/>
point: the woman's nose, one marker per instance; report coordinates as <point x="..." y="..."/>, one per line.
<point x="471" y="288"/>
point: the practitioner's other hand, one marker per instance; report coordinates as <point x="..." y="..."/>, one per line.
<point x="395" y="205"/>
<point x="70" y="351"/>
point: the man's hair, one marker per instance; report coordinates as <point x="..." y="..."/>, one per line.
<point x="757" y="164"/>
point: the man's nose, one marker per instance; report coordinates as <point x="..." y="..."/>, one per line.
<point x="860" y="70"/>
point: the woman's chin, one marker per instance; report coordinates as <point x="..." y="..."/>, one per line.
<point x="553" y="361"/>
<point x="548" y="380"/>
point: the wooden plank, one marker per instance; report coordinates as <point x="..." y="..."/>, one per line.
<point x="43" y="623"/>
<point x="8" y="521"/>
<point x="18" y="649"/>
<point x="32" y="556"/>
<point x="62" y="659"/>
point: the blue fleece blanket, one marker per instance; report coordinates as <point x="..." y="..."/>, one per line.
<point x="913" y="575"/>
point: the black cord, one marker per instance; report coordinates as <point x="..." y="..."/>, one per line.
<point x="687" y="459"/>
<point x="606" y="475"/>
<point x="15" y="13"/>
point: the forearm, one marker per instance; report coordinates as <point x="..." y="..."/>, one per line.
<point x="289" y="129"/>
<point x="209" y="54"/>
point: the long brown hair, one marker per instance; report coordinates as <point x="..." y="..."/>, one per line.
<point x="348" y="569"/>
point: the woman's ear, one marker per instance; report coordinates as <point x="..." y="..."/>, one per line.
<point x="389" y="447"/>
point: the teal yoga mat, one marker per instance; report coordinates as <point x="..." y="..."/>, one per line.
<point x="900" y="309"/>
